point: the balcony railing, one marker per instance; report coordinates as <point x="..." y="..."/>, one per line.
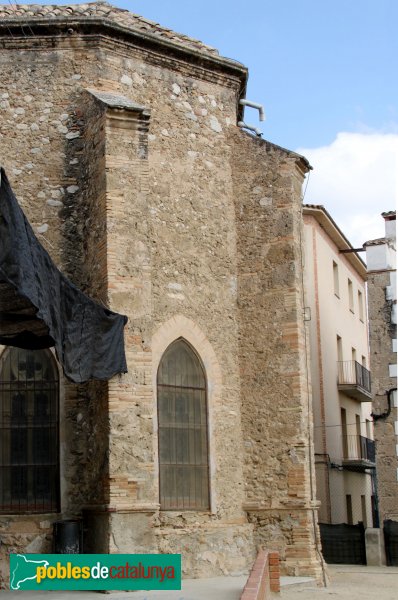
<point x="357" y="448"/>
<point x="354" y="380"/>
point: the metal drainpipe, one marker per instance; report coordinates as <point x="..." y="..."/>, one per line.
<point x="388" y="411"/>
<point x="241" y="124"/>
<point x="260" y="109"/>
<point x="256" y="105"/>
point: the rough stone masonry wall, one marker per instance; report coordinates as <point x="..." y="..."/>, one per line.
<point x="175" y="220"/>
<point x="381" y="333"/>
<point x="169" y="252"/>
<point x="54" y="166"/>
<point x="276" y="403"/>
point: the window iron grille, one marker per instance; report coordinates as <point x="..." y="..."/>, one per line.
<point x="182" y="427"/>
<point x="29" y="433"/>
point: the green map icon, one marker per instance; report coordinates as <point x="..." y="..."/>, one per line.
<point x="24" y="569"/>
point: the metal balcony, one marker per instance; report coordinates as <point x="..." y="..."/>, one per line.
<point x="354" y="380"/>
<point x="358" y="452"/>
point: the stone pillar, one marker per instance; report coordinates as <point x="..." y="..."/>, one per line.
<point x="375" y="552"/>
<point x="132" y="481"/>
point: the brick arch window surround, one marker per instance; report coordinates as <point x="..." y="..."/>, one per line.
<point x="182" y="429"/>
<point x="29" y="437"/>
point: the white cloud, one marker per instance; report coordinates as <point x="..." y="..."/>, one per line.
<point x="356" y="179"/>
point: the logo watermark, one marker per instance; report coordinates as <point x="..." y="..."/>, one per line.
<point x="95" y="571"/>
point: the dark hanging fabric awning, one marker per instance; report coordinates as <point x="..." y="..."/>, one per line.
<point x="41" y="308"/>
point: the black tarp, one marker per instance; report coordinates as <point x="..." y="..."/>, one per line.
<point x="343" y="544"/>
<point x="390" y="528"/>
<point x="41" y="308"/>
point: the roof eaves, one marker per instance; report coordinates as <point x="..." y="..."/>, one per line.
<point x="182" y="45"/>
<point x="326" y="221"/>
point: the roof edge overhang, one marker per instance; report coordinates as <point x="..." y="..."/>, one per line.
<point x="54" y="27"/>
<point x="327" y="223"/>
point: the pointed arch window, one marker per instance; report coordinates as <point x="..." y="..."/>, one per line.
<point x="29" y="470"/>
<point x="183" y="431"/>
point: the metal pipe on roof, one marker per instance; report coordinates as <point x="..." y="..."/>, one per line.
<point x="387" y="412"/>
<point x="256" y="105"/>
<point x="257" y="131"/>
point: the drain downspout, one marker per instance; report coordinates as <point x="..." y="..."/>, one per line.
<point x="243" y="125"/>
<point x="256" y="105"/>
<point x="387" y="413"/>
<point x="261" y="113"/>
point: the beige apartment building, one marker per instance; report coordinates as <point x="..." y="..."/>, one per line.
<point x="335" y="279"/>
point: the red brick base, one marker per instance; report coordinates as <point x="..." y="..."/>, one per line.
<point x="264" y="577"/>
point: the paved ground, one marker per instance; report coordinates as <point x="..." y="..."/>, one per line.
<point x="217" y="588"/>
<point x="347" y="583"/>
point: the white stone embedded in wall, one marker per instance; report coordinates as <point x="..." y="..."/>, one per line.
<point x="126" y="80"/>
<point x="177" y="296"/>
<point x="215" y="124"/>
<point x="174" y="286"/>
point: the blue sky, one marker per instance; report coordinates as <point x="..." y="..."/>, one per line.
<point x="326" y="75"/>
<point x="319" y="67"/>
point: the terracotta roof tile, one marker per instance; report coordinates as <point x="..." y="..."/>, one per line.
<point x="104" y="11"/>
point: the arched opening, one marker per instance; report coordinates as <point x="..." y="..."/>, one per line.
<point x="29" y="456"/>
<point x="183" y="431"/>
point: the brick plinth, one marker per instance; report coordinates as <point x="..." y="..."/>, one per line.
<point x="264" y="577"/>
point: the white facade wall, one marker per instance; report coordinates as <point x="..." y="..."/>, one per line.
<point x="334" y="314"/>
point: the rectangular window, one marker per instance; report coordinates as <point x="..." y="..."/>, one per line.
<point x="343" y="414"/>
<point x="358" y="424"/>
<point x="336" y="279"/>
<point x="364" y="514"/>
<point x="348" y="500"/>
<point x="369" y="429"/>
<point x="353" y="354"/>
<point x="374" y="512"/>
<point x="360" y="305"/>
<point x="350" y="296"/>
<point x="339" y="349"/>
